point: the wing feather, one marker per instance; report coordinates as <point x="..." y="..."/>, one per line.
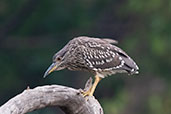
<point x="101" y="55"/>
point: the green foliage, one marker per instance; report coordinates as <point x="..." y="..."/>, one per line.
<point x="115" y="105"/>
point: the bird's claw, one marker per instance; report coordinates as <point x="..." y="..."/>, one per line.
<point x="86" y="93"/>
<point x="87" y="90"/>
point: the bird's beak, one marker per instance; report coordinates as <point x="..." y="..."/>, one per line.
<point x="52" y="68"/>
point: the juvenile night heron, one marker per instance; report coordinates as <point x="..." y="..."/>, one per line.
<point x="98" y="56"/>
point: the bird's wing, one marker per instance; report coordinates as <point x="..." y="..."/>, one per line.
<point x="100" y="56"/>
<point x="104" y="56"/>
<point x="129" y="65"/>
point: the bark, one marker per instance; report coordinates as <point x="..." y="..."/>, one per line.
<point x="70" y="100"/>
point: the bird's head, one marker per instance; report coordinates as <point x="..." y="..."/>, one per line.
<point x="58" y="62"/>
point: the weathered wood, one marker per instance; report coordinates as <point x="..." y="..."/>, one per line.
<point x="68" y="99"/>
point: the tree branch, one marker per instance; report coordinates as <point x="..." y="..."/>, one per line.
<point x="68" y="99"/>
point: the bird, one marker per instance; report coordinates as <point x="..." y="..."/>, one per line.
<point x="99" y="56"/>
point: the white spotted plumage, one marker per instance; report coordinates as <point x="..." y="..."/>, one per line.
<point x="102" y="57"/>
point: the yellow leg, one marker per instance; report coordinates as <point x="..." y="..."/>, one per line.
<point x="93" y="87"/>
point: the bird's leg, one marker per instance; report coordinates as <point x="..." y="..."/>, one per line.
<point x="92" y="88"/>
<point x="97" y="80"/>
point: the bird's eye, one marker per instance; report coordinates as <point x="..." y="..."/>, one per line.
<point x="59" y="58"/>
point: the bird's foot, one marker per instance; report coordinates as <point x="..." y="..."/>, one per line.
<point x="88" y="88"/>
<point x="87" y="93"/>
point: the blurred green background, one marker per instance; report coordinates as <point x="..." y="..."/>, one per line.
<point x="31" y="31"/>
